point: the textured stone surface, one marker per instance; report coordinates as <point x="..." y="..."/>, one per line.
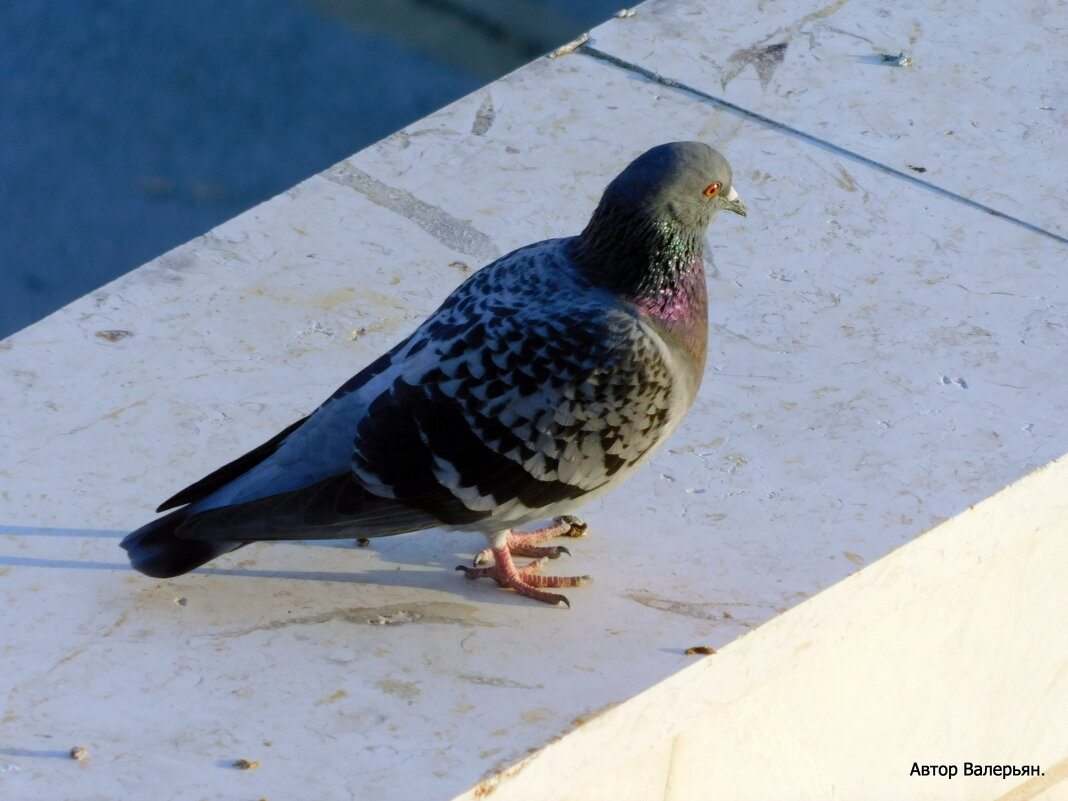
<point x="882" y="356"/>
<point x="980" y="113"/>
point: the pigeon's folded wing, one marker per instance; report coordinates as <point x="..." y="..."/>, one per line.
<point x="518" y="411"/>
<point x="328" y="509"/>
<point x="507" y="403"/>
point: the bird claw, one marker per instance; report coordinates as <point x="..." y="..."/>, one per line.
<point x="524" y="580"/>
<point x="525" y="543"/>
<point x="550" y="552"/>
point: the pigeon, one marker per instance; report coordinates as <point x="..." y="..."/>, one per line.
<point x="543" y="381"/>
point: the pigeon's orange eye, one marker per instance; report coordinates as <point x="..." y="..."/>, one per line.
<point x="713" y="189"/>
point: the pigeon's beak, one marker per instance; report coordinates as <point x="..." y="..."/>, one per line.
<point x="732" y="202"/>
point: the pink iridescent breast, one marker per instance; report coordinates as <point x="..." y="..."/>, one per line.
<point x="681" y="312"/>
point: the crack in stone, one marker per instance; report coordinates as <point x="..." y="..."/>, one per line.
<point x="663" y="80"/>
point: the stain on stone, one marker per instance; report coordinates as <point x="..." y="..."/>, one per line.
<point x="484" y="117"/>
<point x="405" y="690"/>
<point x="765" y="60"/>
<point x="170" y="266"/>
<point x="391" y="614"/>
<point x="497" y="776"/>
<point x="537" y="714"/>
<point x="766" y="57"/>
<point x="585" y="717"/>
<point x="497" y="681"/>
<point x="333" y="697"/>
<point x="844" y="179"/>
<point x="699" y="611"/>
<point x="445" y="228"/>
<point x="115" y="335"/>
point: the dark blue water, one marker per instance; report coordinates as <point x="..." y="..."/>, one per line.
<point x="128" y="127"/>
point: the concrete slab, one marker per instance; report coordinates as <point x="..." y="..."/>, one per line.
<point x="843" y="695"/>
<point x="981" y="112"/>
<point x="882" y="357"/>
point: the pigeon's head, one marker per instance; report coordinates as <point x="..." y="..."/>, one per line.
<point x="650" y="225"/>
<point x="683" y="182"/>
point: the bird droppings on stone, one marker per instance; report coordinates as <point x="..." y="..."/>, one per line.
<point x="394" y="619"/>
<point x="900" y="60"/>
<point x="315" y="327"/>
<point x="570" y="47"/>
<point x="484" y="117"/>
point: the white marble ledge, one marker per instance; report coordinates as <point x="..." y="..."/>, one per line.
<point x="982" y="111"/>
<point x="943" y="652"/>
<point x="881" y="358"/>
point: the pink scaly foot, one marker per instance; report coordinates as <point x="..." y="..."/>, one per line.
<point x="524" y="580"/>
<point x="526" y="543"/>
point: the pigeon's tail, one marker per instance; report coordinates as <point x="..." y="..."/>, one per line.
<point x="156" y="551"/>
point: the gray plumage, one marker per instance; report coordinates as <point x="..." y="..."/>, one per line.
<point x="542" y="382"/>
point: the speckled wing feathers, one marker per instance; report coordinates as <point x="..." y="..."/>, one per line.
<point x="528" y="390"/>
<point x="535" y="389"/>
